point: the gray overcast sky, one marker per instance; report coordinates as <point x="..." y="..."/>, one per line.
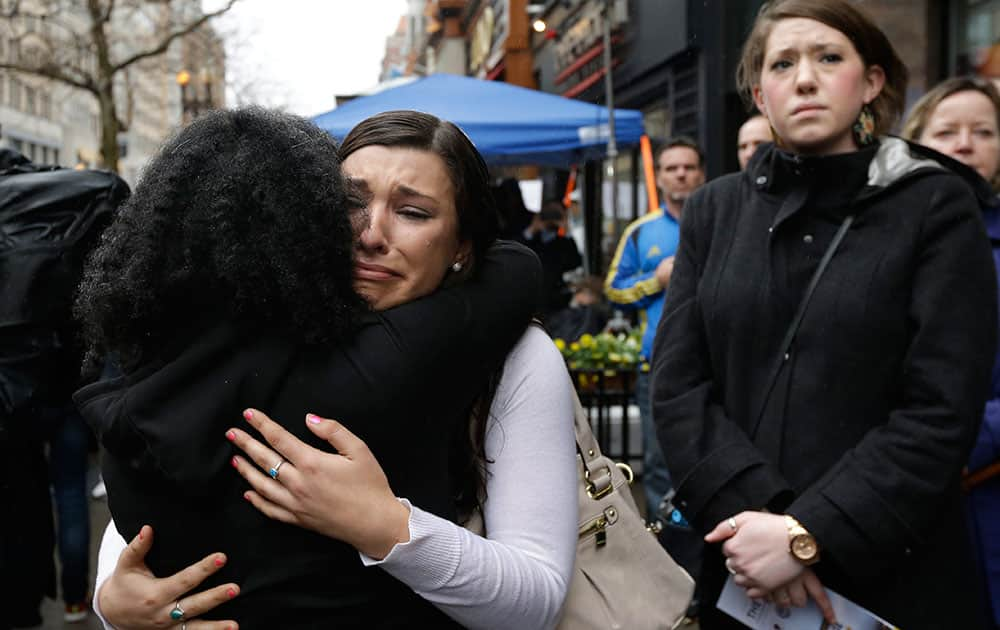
<point x="300" y="53"/>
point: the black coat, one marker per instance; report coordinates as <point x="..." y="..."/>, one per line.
<point x="49" y="219"/>
<point x="875" y="410"/>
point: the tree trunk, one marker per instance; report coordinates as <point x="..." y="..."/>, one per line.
<point x="110" y="125"/>
<point x="109" y="128"/>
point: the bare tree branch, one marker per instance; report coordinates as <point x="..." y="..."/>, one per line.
<point x="53" y="71"/>
<point x="173" y="35"/>
<point x="71" y="42"/>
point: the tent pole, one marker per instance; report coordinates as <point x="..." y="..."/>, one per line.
<point x="609" y="93"/>
<point x="649" y="169"/>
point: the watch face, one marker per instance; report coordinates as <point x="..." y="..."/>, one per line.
<point x="804" y="547"/>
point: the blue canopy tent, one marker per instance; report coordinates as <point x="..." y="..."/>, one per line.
<point x="508" y="124"/>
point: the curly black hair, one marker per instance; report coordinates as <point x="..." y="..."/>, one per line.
<point x="242" y="216"/>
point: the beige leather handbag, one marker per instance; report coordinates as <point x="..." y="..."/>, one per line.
<point x="623" y="579"/>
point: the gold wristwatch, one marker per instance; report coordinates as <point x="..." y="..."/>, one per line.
<point x="801" y="543"/>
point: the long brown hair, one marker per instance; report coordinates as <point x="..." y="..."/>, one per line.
<point x="478" y="222"/>
<point x="870" y="42"/>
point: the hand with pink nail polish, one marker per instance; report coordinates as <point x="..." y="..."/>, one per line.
<point x="132" y="598"/>
<point x="343" y="495"/>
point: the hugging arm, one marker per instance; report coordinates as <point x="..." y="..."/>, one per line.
<point x="462" y="331"/>
<point x="519" y="574"/>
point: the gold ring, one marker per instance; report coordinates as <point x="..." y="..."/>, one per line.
<point x="729" y="567"/>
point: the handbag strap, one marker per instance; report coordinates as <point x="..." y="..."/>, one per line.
<point x="596" y="468"/>
<point x="793" y="328"/>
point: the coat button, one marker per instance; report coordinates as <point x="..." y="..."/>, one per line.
<point x="761" y="180"/>
<point x="788" y="355"/>
<point x="770" y="229"/>
<point x="808" y="238"/>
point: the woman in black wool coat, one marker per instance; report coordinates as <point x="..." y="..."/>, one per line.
<point x="829" y="456"/>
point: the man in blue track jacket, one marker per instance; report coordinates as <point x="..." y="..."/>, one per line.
<point x="638" y="278"/>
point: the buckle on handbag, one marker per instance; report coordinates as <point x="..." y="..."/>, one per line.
<point x="593" y="491"/>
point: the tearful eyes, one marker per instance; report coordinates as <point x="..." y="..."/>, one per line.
<point x="414" y="213"/>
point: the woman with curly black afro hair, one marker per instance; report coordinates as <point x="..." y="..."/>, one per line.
<point x="223" y="227"/>
<point x="231" y="279"/>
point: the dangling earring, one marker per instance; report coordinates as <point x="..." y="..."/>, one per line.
<point x="456" y="267"/>
<point x="864" y="127"/>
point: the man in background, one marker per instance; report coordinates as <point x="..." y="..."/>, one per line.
<point x="753" y="133"/>
<point x="638" y="278"/>
<point x="546" y="236"/>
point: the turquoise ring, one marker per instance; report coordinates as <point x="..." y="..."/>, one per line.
<point x="177" y="613"/>
<point x="274" y="469"/>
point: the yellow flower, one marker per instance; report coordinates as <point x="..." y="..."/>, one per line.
<point x="575" y="346"/>
<point x="560" y="344"/>
<point x="586" y="340"/>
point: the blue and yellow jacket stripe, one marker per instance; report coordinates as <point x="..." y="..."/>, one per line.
<point x="631" y="280"/>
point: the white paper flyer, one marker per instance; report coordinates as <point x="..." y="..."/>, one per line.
<point x="763" y="615"/>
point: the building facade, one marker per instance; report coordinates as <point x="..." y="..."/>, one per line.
<point x="674" y="60"/>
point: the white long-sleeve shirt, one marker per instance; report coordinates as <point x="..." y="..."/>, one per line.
<point x="517" y="576"/>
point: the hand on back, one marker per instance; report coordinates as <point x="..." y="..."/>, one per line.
<point x="343" y="495"/>
<point x="132" y="598"/>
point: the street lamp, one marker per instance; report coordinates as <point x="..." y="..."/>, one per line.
<point x="536" y="10"/>
<point x="195" y="102"/>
